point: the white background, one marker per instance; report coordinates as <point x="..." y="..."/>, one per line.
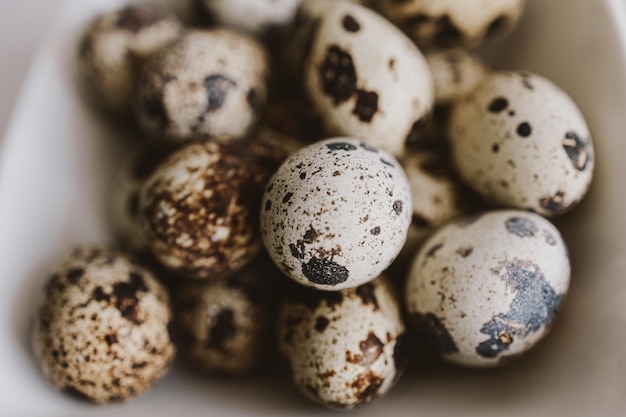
<point x="22" y="24"/>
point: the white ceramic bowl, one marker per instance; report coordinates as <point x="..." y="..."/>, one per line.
<point x="58" y="159"/>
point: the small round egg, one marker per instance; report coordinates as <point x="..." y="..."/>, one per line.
<point x="486" y="287"/>
<point x="364" y="77"/>
<point x="345" y="348"/>
<point x="114" y="47"/>
<point x="336" y="213"/>
<point x="437" y="195"/>
<point x="252" y="16"/>
<point x="521" y="142"/>
<point x="225" y="325"/>
<point x="101" y="328"/>
<point x="456" y="73"/>
<point x="209" y="82"/>
<point x="200" y="209"/>
<point x="133" y="172"/>
<point x="445" y="23"/>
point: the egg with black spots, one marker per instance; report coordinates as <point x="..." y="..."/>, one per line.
<point x="101" y="328"/>
<point x="521" y="142"/>
<point x="486" y="287"/>
<point x="208" y="83"/>
<point x="364" y="77"/>
<point x="345" y="348"/>
<point x="446" y="23"/>
<point x="336" y="213"/>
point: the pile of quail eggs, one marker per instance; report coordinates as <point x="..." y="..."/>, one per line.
<point x="338" y="181"/>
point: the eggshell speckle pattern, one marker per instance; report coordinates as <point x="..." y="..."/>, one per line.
<point x="253" y="16"/>
<point x="225" y="325"/>
<point x="209" y="82"/>
<point x="115" y="46"/>
<point x="365" y="78"/>
<point x="101" y="327"/>
<point x="445" y="23"/>
<point x="486" y="287"/>
<point x="521" y="142"/>
<point x="345" y="348"/>
<point x="134" y="171"/>
<point x="336" y="213"/>
<point x="199" y="210"/>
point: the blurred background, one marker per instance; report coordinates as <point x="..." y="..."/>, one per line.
<point x="22" y="23"/>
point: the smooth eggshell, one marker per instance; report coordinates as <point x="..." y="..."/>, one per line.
<point x="336" y="214"/>
<point x="364" y="76"/>
<point x="520" y="141"/>
<point x="485" y="288"/>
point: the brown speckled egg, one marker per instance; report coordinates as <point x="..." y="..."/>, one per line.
<point x="486" y="287"/>
<point x="101" y="329"/>
<point x="336" y="214"/>
<point x="365" y="77"/>
<point x="225" y="325"/>
<point x="521" y="142"/>
<point x="446" y="23"/>
<point x="115" y="46"/>
<point x="134" y="171"/>
<point x="345" y="348"/>
<point x="209" y="82"/>
<point x="200" y="208"/>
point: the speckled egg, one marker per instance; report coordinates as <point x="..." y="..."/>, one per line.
<point x="209" y="82"/>
<point x="253" y="16"/>
<point x="133" y="172"/>
<point x="445" y="23"/>
<point x="487" y="287"/>
<point x="101" y="327"/>
<point x="345" y="348"/>
<point x="200" y="208"/>
<point x="456" y="73"/>
<point x="336" y="214"/>
<point x="437" y="194"/>
<point x="364" y="77"/>
<point x="114" y="47"/>
<point x="521" y="142"/>
<point x="225" y="325"/>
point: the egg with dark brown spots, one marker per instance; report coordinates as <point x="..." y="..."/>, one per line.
<point x="365" y="77"/>
<point x="445" y="23"/>
<point x="224" y="325"/>
<point x="521" y="142"/>
<point x="345" y="348"/>
<point x="114" y="47"/>
<point x="207" y="83"/>
<point x="336" y="213"/>
<point x="133" y="172"/>
<point x="101" y="328"/>
<point x="200" y="209"/>
<point x="486" y="287"/>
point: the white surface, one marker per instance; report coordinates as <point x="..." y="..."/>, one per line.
<point x="57" y="161"/>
